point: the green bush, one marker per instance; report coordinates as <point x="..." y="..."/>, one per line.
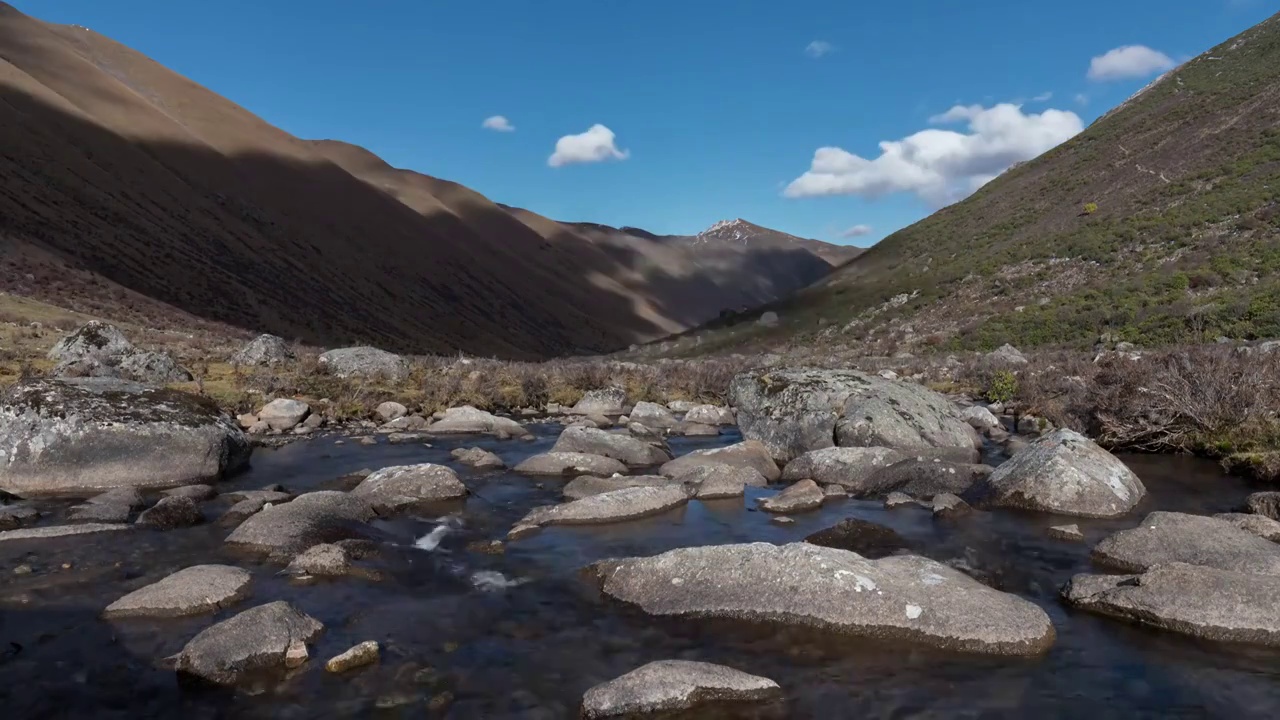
<point x="1003" y="387"/>
<point x="1090" y="208"/>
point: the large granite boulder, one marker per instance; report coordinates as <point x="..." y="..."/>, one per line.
<point x="1265" y="503"/>
<point x="365" y="362"/>
<point x="615" y="506"/>
<point x="588" y="485"/>
<point x="402" y="487"/>
<point x="571" y="464"/>
<point x="1203" y="602"/>
<point x="748" y="454"/>
<point x="1170" y="537"/>
<point x="98" y="349"/>
<point x="798" y="410"/>
<point x="652" y="415"/>
<point x="468" y="420"/>
<point x="1260" y="525"/>
<point x="853" y="468"/>
<point x="77" y="437"/>
<point x="926" y="478"/>
<point x="714" y="482"/>
<point x="318" y="517"/>
<point x="284" y="413"/>
<point x="610" y="401"/>
<point x="669" y="686"/>
<point x="627" y="449"/>
<point x="1066" y="473"/>
<point x="898" y="598"/>
<point x="269" y="637"/>
<point x="152" y="367"/>
<point x="264" y="350"/>
<point x="95" y="339"/>
<point x="709" y="415"/>
<point x="803" y="495"/>
<point x="192" y="591"/>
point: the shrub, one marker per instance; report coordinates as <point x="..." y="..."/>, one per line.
<point x="1090" y="208"/>
<point x="1003" y="387"/>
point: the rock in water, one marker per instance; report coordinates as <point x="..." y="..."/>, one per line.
<point x="902" y="597"/>
<point x="16" y="516"/>
<point x="267" y="637"/>
<point x="390" y="410"/>
<point x="571" y="464"/>
<point x="79" y="436"/>
<point x="1260" y="525"/>
<point x="478" y="458"/>
<point x="324" y="560"/>
<point x="607" y="401"/>
<point x="365" y="362"/>
<point x="709" y="415"/>
<point x="795" y="411"/>
<point x="624" y="448"/>
<point x="804" y="495"/>
<point x="852" y="467"/>
<point x="859" y="536"/>
<point x="195" y="590"/>
<point x="615" y="506"/>
<point x="1067" y="533"/>
<point x="468" y="420"/>
<point x="310" y="519"/>
<point x="263" y="350"/>
<point x="587" y="485"/>
<point x="198" y="493"/>
<point x="1169" y="537"/>
<point x="171" y="512"/>
<point x="980" y="418"/>
<point x="749" y="454"/>
<point x="400" y="487"/>
<point x="675" y="685"/>
<point x="1265" y="503"/>
<point x="57" y="531"/>
<point x="1066" y="473"/>
<point x="366" y="653"/>
<point x="926" y="478"/>
<point x="653" y="415"/>
<point x="1202" y="602"/>
<point x="710" y="482"/>
<point x="284" y="413"/>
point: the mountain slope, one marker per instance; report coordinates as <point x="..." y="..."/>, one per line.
<point x="1160" y="223"/>
<point x="128" y="187"/>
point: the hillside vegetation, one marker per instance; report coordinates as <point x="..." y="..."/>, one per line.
<point x="1159" y="224"/>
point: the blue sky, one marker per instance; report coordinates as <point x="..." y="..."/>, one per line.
<point x="716" y="107"/>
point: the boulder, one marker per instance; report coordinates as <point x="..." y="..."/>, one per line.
<point x="310" y="519"/>
<point x="170" y="513"/>
<point x="642" y="431"/>
<point x="16" y="516"/>
<point x="680" y="406"/>
<point x="267" y="637"/>
<point x="710" y="482"/>
<point x="802" y="496"/>
<point x="1260" y="525"/>
<point x="588" y="485"/>
<point x="284" y="413"/>
<point x="152" y="367"/>
<point x="57" y="531"/>
<point x="1066" y="473"/>
<point x="926" y="478"/>
<point x="389" y="411"/>
<point x="610" y="401"/>
<point x="366" y="653"/>
<point x="632" y="451"/>
<point x="897" y="598"/>
<point x="616" y="506"/>
<point x="365" y="362"/>
<point x="599" y="421"/>
<point x="709" y="415"/>
<point x="93" y="340"/>
<point x="852" y="467"/>
<point x="898" y="499"/>
<point x="795" y="411"/>
<point x="100" y="512"/>
<point x="749" y="454"/>
<point x="266" y="495"/>
<point x="323" y="560"/>
<point x="652" y="415"/>
<point x="571" y="464"/>
<point x="264" y="350"/>
<point x="467" y="420"/>
<point x="477" y="458"/>
<point x="402" y="487"/>
<point x="1202" y="602"/>
<point x="946" y="505"/>
<point x="240" y="512"/>
<point x="1266" y="503"/>
<point x="1067" y="533"/>
<point x="669" y="686"/>
<point x="768" y="319"/>
<point x="1006" y="356"/>
<point x="68" y="437"/>
<point x="198" y="493"/>
<point x="980" y="418"/>
<point x="688" y="429"/>
<point x="860" y="536"/>
<point x="196" y="590"/>
<point x="1169" y="537"/>
<point x="409" y="423"/>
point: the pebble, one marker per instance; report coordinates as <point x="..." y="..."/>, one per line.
<point x="363" y="654"/>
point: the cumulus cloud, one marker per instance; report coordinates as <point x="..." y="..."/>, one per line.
<point x="818" y="48"/>
<point x="499" y="123"/>
<point x="1128" y="61"/>
<point x="597" y="144"/>
<point x="940" y="166"/>
<point x="856" y="231"/>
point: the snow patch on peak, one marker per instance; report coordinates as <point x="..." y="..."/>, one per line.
<point x="736" y="230"/>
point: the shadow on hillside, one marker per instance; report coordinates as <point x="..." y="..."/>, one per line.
<point x="306" y="250"/>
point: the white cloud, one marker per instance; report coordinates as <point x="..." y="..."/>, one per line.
<point x="1043" y="97"/>
<point x="818" y="48"/>
<point x="499" y="123"/>
<point x="1082" y="99"/>
<point x="940" y="166"/>
<point x="594" y="145"/>
<point x="856" y="231"/>
<point x="1128" y="61"/>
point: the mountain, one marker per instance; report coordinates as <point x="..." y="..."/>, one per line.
<point x="744" y="234"/>
<point x="1158" y="224"/>
<point x="131" y="192"/>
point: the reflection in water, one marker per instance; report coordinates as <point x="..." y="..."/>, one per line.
<point x="522" y="634"/>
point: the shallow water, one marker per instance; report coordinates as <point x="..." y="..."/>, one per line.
<point x="524" y="634"/>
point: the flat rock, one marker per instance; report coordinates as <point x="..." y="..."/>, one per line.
<point x="794" y="411"/>
<point x="571" y="464"/>
<point x="1265" y="503"/>
<point x="1202" y="602"/>
<point x="926" y="478"/>
<point x="467" y="420"/>
<point x="632" y="451"/>
<point x="100" y="512"/>
<point x="366" y="653"/>
<point x="652" y="415"/>
<point x="283" y="413"/>
<point x="588" y="485"/>
<point x="127" y="496"/>
<point x="310" y="519"/>
<point x="709" y="415"/>
<point x="265" y="495"/>
<point x="267" y="637"/>
<point x="675" y="685"/>
<point x="802" y="496"/>
<point x="749" y="454"/>
<point x="897" y="500"/>
<point x="323" y="560"/>
<point x="720" y="481"/>
<point x="57" y="531"/>
<point x="860" y="536"/>
<point x="75" y="437"/>
<point x="1066" y="473"/>
<point x="16" y="516"/>
<point x="240" y="512"/>
<point x="365" y="362"/>
<point x="264" y="350"/>
<point x="615" y="506"/>
<point x="401" y="487"/>
<point x="198" y="493"/>
<point x="1260" y="525"/>
<point x="605" y="401"/>
<point x="175" y="511"/>
<point x="854" y="468"/>
<point x="1169" y="537"/>
<point x="478" y="458"/>
<point x="193" y="591"/>
<point x="901" y="597"/>
<point x="1068" y="533"/>
<point x="689" y="429"/>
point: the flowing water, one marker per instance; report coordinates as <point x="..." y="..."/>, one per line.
<point x="523" y="634"/>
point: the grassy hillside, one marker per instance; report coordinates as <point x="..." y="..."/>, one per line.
<point x="1159" y="223"/>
